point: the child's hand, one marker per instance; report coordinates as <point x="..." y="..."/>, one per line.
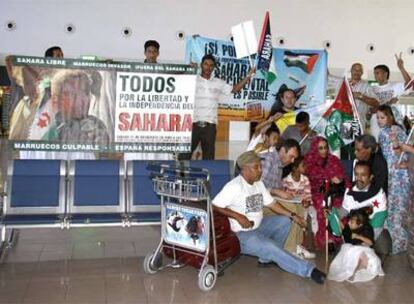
<point x="355" y="236"/>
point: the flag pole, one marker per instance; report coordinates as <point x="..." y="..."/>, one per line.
<point x="409" y="84"/>
<point x="351" y="98"/>
<point x="307" y="134"/>
<point x="249" y="84"/>
<point x="406" y="142"/>
<point x="266" y="22"/>
<point x="313" y="128"/>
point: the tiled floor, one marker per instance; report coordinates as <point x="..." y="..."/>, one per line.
<point x="104" y="265"/>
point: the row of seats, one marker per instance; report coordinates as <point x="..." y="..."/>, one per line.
<point x="90" y="192"/>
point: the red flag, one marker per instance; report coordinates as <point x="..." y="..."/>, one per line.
<point x="342" y="102"/>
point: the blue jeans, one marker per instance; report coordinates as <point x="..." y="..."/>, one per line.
<point x="266" y="242"/>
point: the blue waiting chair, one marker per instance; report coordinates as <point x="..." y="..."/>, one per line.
<point x="96" y="193"/>
<point x="220" y="173"/>
<point x="35" y="192"/>
<point x="35" y="195"/>
<point x="143" y="203"/>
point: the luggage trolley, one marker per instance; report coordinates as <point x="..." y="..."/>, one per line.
<point x="186" y="219"/>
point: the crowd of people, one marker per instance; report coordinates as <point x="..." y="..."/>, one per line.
<point x="361" y="217"/>
<point x="288" y="180"/>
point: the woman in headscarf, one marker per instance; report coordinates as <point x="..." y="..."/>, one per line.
<point x="325" y="171"/>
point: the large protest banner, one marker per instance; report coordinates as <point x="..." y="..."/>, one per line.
<point x="304" y="71"/>
<point x="232" y="70"/>
<point x="78" y="105"/>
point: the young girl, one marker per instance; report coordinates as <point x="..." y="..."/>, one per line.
<point x="297" y="184"/>
<point x="399" y="186"/>
<point x="356" y="261"/>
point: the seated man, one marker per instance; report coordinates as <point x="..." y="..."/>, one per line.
<point x="242" y="200"/>
<point x="273" y="164"/>
<point x="367" y="149"/>
<point x="377" y="204"/>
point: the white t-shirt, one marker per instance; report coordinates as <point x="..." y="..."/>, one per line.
<point x="386" y="92"/>
<point x="246" y="199"/>
<point x="207" y="96"/>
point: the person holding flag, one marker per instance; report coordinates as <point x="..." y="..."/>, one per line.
<point x="322" y="168"/>
<point x="376" y="207"/>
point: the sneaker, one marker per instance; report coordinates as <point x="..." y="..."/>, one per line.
<point x="264" y="264"/>
<point x="318" y="276"/>
<point x="303" y="253"/>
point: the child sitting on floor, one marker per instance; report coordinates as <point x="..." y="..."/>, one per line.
<point x="376" y="205"/>
<point x="356" y="261"/>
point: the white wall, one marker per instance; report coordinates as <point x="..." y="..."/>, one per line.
<point x="349" y="25"/>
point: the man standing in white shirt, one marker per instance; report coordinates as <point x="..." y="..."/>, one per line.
<point x="242" y="200"/>
<point x="209" y="90"/>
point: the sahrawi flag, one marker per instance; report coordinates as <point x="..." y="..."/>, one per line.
<point x="264" y="53"/>
<point x="304" y="61"/>
<point x="341" y="126"/>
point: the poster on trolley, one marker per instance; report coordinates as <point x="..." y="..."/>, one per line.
<point x="186" y="227"/>
<point x="100" y="106"/>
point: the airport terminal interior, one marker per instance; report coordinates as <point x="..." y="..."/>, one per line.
<point x="327" y="56"/>
<point x="105" y="265"/>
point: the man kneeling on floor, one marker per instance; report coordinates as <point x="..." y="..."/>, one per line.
<point x="242" y="200"/>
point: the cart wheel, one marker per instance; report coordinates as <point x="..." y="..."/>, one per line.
<point x="151" y="265"/>
<point x="207" y="278"/>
